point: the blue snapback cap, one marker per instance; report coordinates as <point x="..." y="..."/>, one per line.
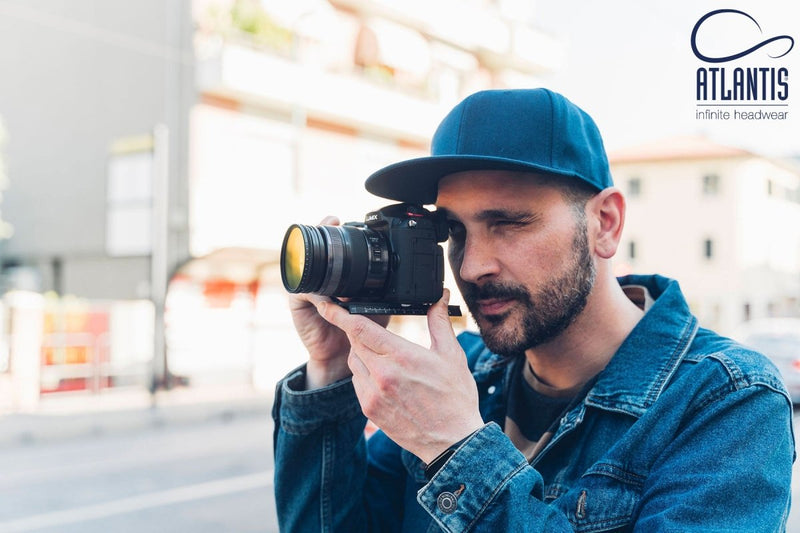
<point x="528" y="130"/>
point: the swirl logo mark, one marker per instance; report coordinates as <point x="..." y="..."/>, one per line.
<point x="750" y="50"/>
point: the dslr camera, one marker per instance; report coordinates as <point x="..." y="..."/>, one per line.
<point x="391" y="264"/>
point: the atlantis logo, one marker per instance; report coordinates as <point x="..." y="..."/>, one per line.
<point x="767" y="83"/>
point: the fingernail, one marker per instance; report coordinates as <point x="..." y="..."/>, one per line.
<point x="321" y="307"/>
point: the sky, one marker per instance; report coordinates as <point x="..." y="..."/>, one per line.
<point x="630" y="65"/>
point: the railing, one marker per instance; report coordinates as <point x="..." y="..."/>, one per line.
<point x="82" y="361"/>
<point x="53" y="344"/>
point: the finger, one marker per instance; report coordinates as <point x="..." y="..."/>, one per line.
<point x="363" y="385"/>
<point x="362" y="332"/>
<point x="330" y="221"/>
<point x="441" y="329"/>
<point x="357" y="366"/>
<point x="302" y="300"/>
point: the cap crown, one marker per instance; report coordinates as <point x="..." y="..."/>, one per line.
<point x="534" y="130"/>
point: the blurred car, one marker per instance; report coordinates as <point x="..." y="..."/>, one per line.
<point x="778" y="339"/>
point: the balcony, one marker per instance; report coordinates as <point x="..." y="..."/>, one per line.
<point x="501" y="43"/>
<point x="254" y="77"/>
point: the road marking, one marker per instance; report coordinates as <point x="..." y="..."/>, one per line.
<point x="132" y="504"/>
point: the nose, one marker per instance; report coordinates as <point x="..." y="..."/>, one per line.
<point x="478" y="261"/>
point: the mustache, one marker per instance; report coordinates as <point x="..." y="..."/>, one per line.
<point x="473" y="293"/>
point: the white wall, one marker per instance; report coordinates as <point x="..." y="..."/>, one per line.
<point x="78" y="76"/>
<point x="756" y="238"/>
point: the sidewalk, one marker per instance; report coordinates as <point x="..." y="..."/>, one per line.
<point x="74" y="415"/>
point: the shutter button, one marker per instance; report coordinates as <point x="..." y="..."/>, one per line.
<point x="448" y="501"/>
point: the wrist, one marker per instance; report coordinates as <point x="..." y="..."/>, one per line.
<point x="439" y="461"/>
<point x="443" y="441"/>
<point x="322" y="373"/>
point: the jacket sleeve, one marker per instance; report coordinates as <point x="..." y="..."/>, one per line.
<point x="322" y="478"/>
<point x="729" y="470"/>
<point x="488" y="485"/>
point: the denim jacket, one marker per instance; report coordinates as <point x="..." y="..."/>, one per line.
<point x="683" y="431"/>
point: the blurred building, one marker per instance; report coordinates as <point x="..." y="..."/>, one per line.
<point x="85" y="84"/>
<point x="724" y="221"/>
<point x="300" y="101"/>
<point x="177" y="140"/>
<point x="95" y="101"/>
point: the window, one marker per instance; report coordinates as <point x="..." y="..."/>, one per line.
<point x="711" y="184"/>
<point x="793" y="195"/>
<point x="129" y="200"/>
<point x="634" y="187"/>
<point x="782" y="191"/>
<point x="708" y="249"/>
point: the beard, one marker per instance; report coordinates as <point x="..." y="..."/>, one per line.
<point x="545" y="314"/>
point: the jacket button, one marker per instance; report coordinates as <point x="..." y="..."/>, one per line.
<point x="447" y="502"/>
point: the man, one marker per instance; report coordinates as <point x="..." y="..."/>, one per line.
<point x="587" y="403"/>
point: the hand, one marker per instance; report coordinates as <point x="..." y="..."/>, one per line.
<point x="423" y="399"/>
<point x="327" y="345"/>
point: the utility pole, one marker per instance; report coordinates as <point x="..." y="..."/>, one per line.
<point x="159" y="254"/>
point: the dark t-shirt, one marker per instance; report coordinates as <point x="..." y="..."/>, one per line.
<point x="534" y="406"/>
<point x="531" y="412"/>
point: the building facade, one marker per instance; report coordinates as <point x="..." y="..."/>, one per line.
<point x="723" y="221"/>
<point x="299" y="102"/>
<point x="273" y="112"/>
<point x="85" y="84"/>
<point x="154" y="141"/>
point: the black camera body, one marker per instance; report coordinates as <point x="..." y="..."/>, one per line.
<point x="416" y="260"/>
<point x="392" y="263"/>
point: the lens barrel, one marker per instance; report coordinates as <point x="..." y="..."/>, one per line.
<point x="344" y="260"/>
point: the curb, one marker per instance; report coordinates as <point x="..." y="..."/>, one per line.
<point x="26" y="429"/>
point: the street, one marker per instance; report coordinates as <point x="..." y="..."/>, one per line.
<point x="210" y="477"/>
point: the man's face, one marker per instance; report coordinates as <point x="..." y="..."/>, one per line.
<point x="520" y="256"/>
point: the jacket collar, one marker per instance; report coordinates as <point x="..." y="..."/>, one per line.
<point x="649" y="356"/>
<point x="644" y="363"/>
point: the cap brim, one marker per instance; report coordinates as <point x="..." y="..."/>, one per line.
<point x="416" y="180"/>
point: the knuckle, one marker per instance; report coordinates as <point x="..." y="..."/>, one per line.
<point x="386" y="384"/>
<point x="359" y="329"/>
<point x="369" y="407"/>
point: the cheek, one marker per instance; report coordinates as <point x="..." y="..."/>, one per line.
<point x="537" y="257"/>
<point x="455" y="255"/>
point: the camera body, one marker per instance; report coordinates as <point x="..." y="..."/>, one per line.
<point x="392" y="263"/>
<point x="415" y="258"/>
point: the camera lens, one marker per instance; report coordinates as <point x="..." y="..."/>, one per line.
<point x="334" y="260"/>
<point x="294" y="263"/>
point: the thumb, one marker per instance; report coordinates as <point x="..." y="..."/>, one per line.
<point x="441" y="330"/>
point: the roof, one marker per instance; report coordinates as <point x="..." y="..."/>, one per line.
<point x="685" y="147"/>
<point x="235" y="264"/>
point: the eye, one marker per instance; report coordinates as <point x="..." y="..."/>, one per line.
<point x="456" y="230"/>
<point x="509" y="224"/>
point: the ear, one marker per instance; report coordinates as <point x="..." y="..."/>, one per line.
<point x="607" y="212"/>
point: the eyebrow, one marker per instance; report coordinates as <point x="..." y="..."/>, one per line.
<point x="495" y="214"/>
<point x="505" y="214"/>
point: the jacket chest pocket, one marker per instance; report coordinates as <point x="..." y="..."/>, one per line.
<point x="604" y="499"/>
